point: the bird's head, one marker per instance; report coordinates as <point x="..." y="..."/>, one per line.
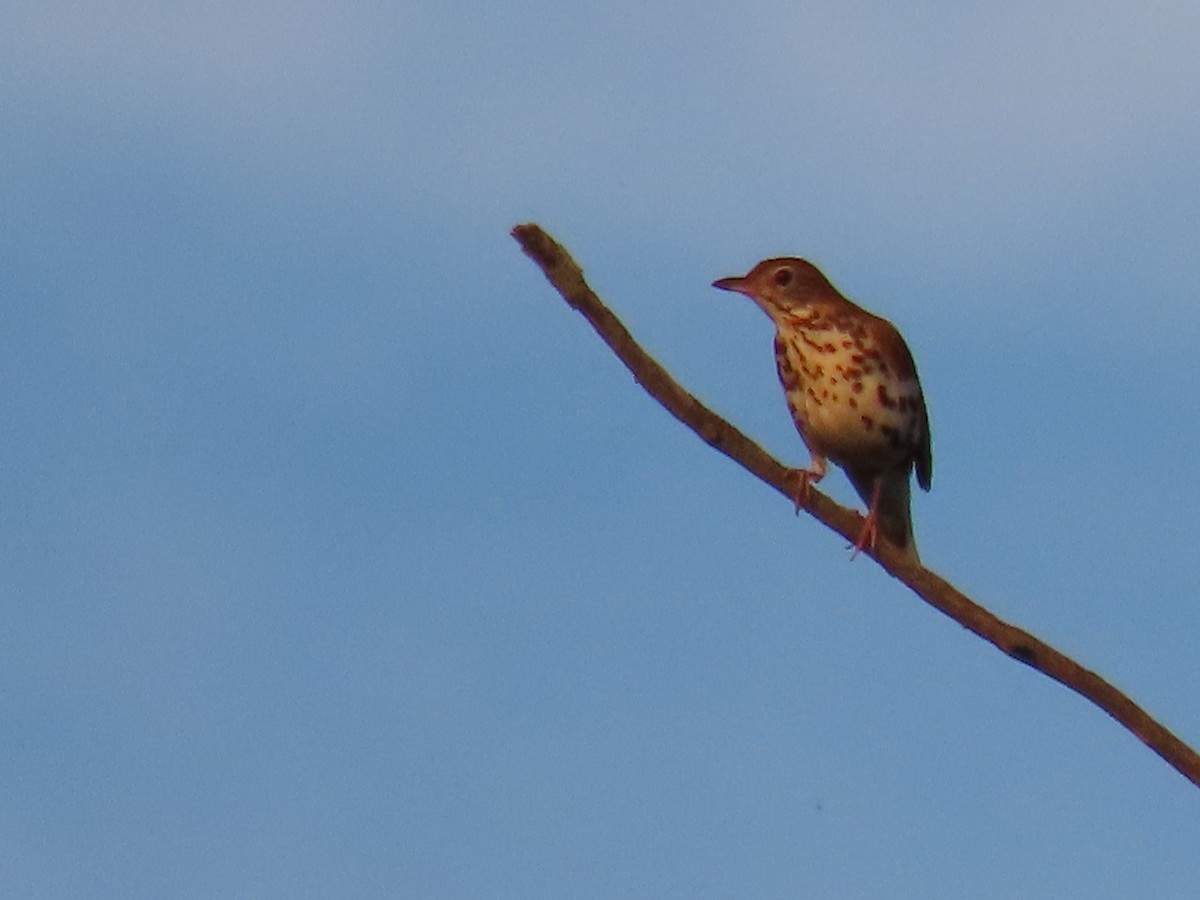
<point x="782" y="284"/>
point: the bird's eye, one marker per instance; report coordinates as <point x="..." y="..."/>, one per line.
<point x="783" y="276"/>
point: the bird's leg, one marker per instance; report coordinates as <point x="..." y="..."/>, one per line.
<point x="804" y="479"/>
<point x="870" y="529"/>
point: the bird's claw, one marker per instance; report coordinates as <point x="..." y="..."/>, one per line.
<point x="804" y="480"/>
<point x="866" y="537"/>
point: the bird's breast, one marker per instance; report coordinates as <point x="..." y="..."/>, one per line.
<point x="847" y="398"/>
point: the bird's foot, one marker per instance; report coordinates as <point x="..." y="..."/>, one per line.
<point x="802" y="481"/>
<point x="866" y="537"/>
<point x="870" y="529"/>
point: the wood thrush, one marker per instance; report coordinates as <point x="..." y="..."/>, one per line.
<point x="852" y="387"/>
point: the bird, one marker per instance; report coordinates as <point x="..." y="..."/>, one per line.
<point x="852" y="388"/>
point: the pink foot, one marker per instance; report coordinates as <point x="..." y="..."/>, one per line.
<point x="804" y="479"/>
<point x="866" y="537"/>
<point x="870" y="529"/>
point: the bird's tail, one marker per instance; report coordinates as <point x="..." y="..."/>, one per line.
<point x="893" y="510"/>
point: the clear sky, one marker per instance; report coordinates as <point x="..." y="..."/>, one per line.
<point x="339" y="559"/>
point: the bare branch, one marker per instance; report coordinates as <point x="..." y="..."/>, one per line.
<point x="567" y="278"/>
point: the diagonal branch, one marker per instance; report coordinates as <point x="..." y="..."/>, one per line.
<point x="567" y="278"/>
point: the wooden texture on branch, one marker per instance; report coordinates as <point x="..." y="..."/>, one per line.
<point x="567" y="278"/>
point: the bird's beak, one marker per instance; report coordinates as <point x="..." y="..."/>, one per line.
<point x="737" y="283"/>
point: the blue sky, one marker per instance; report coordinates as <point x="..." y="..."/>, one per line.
<point x="340" y="558"/>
